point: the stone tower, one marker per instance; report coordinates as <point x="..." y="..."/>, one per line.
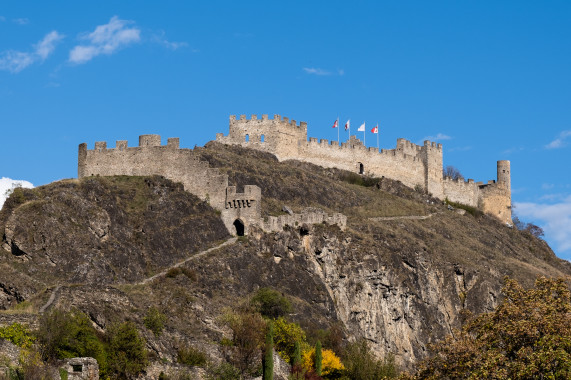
<point x="504" y="174"/>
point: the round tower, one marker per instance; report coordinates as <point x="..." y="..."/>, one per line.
<point x="504" y="173"/>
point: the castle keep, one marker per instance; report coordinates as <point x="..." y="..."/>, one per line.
<point x="414" y="165"/>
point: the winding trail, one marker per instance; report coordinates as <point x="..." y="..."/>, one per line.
<point x="199" y="254"/>
<point x="409" y="217"/>
<point x="51" y="299"/>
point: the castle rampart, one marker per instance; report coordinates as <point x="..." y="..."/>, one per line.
<point x="238" y="211"/>
<point x="412" y="164"/>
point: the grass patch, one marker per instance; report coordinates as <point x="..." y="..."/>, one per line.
<point x="469" y="209"/>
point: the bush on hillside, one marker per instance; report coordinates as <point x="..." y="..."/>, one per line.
<point x="271" y="303"/>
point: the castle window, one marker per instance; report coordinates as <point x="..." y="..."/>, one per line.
<point x="262" y="138"/>
<point x="247" y="138"/>
<point x="361" y="168"/>
<point x="239" y="227"/>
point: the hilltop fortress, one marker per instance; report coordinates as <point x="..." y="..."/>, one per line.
<point x="414" y="165"/>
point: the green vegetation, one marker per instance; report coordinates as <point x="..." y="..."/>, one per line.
<point x="155" y="320"/>
<point x="528" y="336"/>
<point x="70" y="334"/>
<point x="268" y="359"/>
<point x="191" y="356"/>
<point x="271" y="303"/>
<point x="318" y="358"/>
<point x="358" y="179"/>
<point x="287" y="337"/>
<point x="469" y="209"/>
<point x="361" y="364"/>
<point x="127" y="356"/>
<point x="18" y="334"/>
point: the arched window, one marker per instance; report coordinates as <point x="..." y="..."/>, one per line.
<point x="239" y="227"/>
<point x="361" y="168"/>
<point x="262" y="138"/>
<point x="247" y="138"/>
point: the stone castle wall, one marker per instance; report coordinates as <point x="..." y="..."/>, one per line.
<point x="412" y="164"/>
<point x="238" y="211"/>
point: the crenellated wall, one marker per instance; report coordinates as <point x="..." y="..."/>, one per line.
<point x="238" y="211"/>
<point x="412" y="164"/>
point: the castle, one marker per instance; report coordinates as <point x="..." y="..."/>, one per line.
<point x="414" y="165"/>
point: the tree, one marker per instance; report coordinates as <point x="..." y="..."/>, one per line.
<point x="331" y="365"/>
<point x="452" y="172"/>
<point x="286" y="335"/>
<point x="268" y="360"/>
<point x="361" y="363"/>
<point x="127" y="355"/>
<point x="155" y="321"/>
<point x="528" y="336"/>
<point x="271" y="303"/>
<point x="318" y="358"/>
<point x="247" y="340"/>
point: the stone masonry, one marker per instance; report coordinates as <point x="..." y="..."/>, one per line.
<point x="239" y="211"/>
<point x="414" y="165"/>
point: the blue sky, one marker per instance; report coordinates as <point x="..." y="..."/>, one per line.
<point x="489" y="80"/>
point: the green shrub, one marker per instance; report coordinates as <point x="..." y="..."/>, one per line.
<point x="222" y="371"/>
<point x="127" y="356"/>
<point x="469" y="209"/>
<point x="18" y="334"/>
<point x="68" y="334"/>
<point x="191" y="356"/>
<point x="361" y="364"/>
<point x="286" y="336"/>
<point x="155" y="321"/>
<point x="271" y="303"/>
<point x="268" y="358"/>
<point x="173" y="272"/>
<point x="358" y="179"/>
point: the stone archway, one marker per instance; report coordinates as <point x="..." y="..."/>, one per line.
<point x="361" y="168"/>
<point x="239" y="226"/>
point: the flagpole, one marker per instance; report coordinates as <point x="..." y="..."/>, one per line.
<point x="378" y="148"/>
<point x="338" y="126"/>
<point x="365" y="136"/>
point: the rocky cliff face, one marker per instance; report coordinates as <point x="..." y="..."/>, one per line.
<point x="403" y="274"/>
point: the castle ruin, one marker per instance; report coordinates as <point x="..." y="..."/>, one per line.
<point x="414" y="165"/>
<point x="239" y="211"/>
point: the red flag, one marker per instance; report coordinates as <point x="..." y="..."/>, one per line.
<point x="336" y="124"/>
<point x="375" y="130"/>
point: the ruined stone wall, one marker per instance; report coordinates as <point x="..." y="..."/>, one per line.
<point x="460" y="191"/>
<point x="150" y="157"/>
<point x="495" y="200"/>
<point x="308" y="216"/>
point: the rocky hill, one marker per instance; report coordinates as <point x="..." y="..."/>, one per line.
<point x="401" y="275"/>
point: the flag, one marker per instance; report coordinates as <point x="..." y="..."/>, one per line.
<point x="376" y="129"/>
<point x="347" y="124"/>
<point x="361" y="128"/>
<point x="336" y="124"/>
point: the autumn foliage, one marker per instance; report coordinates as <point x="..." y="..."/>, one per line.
<point x="528" y="336"/>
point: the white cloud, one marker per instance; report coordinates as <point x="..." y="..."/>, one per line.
<point x="105" y="39"/>
<point x="322" y="72"/>
<point x="16" y="61"/>
<point x="438" y="137"/>
<point x="7" y="185"/>
<point x="160" y="38"/>
<point x="21" y="21"/>
<point x="555" y="220"/>
<point x="560" y="141"/>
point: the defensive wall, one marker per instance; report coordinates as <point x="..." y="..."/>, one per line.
<point x="412" y="164"/>
<point x="238" y="211"/>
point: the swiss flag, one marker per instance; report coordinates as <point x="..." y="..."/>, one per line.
<point x="336" y="124"/>
<point x="375" y="130"/>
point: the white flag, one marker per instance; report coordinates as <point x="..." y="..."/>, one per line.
<point x="362" y="128"/>
<point x="347" y="124"/>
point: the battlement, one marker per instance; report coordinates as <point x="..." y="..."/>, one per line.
<point x="145" y="141"/>
<point x="277" y="119"/>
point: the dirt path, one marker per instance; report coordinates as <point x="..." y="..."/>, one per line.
<point x="409" y="217"/>
<point x="51" y="299"/>
<point x="200" y="254"/>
